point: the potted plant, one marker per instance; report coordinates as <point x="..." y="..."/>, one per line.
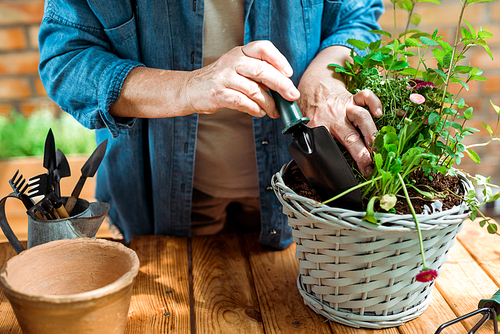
<point x="376" y="268"/>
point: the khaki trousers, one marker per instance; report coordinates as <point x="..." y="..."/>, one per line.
<point x="211" y="215"/>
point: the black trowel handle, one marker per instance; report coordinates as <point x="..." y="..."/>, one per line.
<point x="289" y="112"/>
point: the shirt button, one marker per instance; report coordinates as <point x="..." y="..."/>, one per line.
<point x="272" y="231"/>
<point x="265" y="142"/>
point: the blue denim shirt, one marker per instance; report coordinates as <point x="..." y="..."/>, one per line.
<point x="87" y="48"/>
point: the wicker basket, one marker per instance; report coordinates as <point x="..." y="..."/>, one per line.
<point x="359" y="274"/>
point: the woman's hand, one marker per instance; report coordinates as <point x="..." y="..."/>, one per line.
<point x="239" y="80"/>
<point x="326" y="101"/>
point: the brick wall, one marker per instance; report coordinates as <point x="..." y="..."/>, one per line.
<point x="20" y="86"/>
<point x="21" y="89"/>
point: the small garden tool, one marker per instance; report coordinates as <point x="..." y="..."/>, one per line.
<point x="489" y="308"/>
<point x="19" y="190"/>
<point x="62" y="170"/>
<point x="319" y="157"/>
<point x="43" y="184"/>
<point x="88" y="170"/>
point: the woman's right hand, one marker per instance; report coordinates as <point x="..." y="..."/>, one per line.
<point x="239" y="80"/>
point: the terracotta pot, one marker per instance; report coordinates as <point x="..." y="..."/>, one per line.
<point x="71" y="286"/>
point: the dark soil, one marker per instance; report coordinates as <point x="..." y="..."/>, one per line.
<point x="445" y="184"/>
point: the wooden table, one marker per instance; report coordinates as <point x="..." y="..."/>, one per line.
<point x="230" y="284"/>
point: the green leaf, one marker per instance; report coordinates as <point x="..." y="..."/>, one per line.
<point x="495" y="107"/>
<point x="461" y="82"/>
<point x="358" y="44"/>
<point x="390" y="138"/>
<point x="488" y="51"/>
<point x="370" y="212"/>
<point x="478" y="78"/>
<point x="375" y="45"/>
<point x="358" y="59"/>
<point x="471" y="28"/>
<point x="487" y="127"/>
<point x="445" y="46"/>
<point x="470" y="2"/>
<point x="494" y="197"/>
<point x="466" y="33"/>
<point x="468" y="113"/>
<point x="380" y="32"/>
<point x="482" y="223"/>
<point x="484" y="34"/>
<point x="474" y="156"/>
<point x="411" y="42"/>
<point x="468" y="128"/>
<point x="399" y="65"/>
<point x="462" y="69"/>
<point x="378" y="160"/>
<point x="415" y="19"/>
<point x="434" y="117"/>
<point x="428" y="41"/>
<point x="410" y="71"/>
<point x="473" y="215"/>
<point x="492" y="228"/>
<point x="461" y="103"/>
<point x="438" y="71"/>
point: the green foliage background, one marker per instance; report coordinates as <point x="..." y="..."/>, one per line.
<point x="25" y="136"/>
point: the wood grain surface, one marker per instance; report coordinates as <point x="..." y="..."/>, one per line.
<point x="229" y="283"/>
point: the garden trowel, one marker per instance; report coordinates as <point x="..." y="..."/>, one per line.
<point x="319" y="157"/>
<point x="88" y="170"/>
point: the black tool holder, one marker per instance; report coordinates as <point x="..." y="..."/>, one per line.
<point x="490" y="308"/>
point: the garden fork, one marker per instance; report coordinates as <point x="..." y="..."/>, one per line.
<point x="41" y="186"/>
<point x="19" y="190"/>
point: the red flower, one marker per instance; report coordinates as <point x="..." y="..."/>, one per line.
<point x="427" y="275"/>
<point x="423" y="84"/>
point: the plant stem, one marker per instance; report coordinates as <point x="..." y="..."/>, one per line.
<point x="351" y="189"/>
<point x="416" y="220"/>
<point x="455" y="45"/>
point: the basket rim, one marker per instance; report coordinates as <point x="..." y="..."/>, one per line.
<point x="389" y="222"/>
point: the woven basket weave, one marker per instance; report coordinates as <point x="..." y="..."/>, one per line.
<point x="363" y="275"/>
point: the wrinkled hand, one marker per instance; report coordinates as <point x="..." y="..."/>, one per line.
<point x="239" y="80"/>
<point x="343" y="114"/>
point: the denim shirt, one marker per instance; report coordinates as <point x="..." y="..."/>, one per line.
<point x="87" y="48"/>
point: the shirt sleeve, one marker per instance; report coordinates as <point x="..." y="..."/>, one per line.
<point x="355" y="20"/>
<point x="80" y="66"/>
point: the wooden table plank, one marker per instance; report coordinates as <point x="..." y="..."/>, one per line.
<point x="436" y="314"/>
<point x="8" y="321"/>
<point x="160" y="299"/>
<point x="341" y="329"/>
<point x="275" y="276"/>
<point x="463" y="283"/>
<point x="484" y="248"/>
<point x="224" y="296"/>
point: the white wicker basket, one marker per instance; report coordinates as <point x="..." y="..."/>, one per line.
<point x="359" y="274"/>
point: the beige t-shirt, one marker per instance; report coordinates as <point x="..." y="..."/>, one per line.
<point x="225" y="164"/>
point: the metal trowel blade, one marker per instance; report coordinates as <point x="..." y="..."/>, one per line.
<point x="323" y="164"/>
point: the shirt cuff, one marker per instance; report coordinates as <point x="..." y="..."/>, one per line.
<point x="108" y="93"/>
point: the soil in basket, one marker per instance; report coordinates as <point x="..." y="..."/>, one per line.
<point x="444" y="184"/>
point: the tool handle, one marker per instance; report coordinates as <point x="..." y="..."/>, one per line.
<point x="70" y="204"/>
<point x="61" y="211"/>
<point x="289" y="112"/>
<point x="493" y="302"/>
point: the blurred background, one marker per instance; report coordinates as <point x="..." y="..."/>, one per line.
<point x="26" y="112"/>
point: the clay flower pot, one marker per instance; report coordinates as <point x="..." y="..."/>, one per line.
<point x="71" y="286"/>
